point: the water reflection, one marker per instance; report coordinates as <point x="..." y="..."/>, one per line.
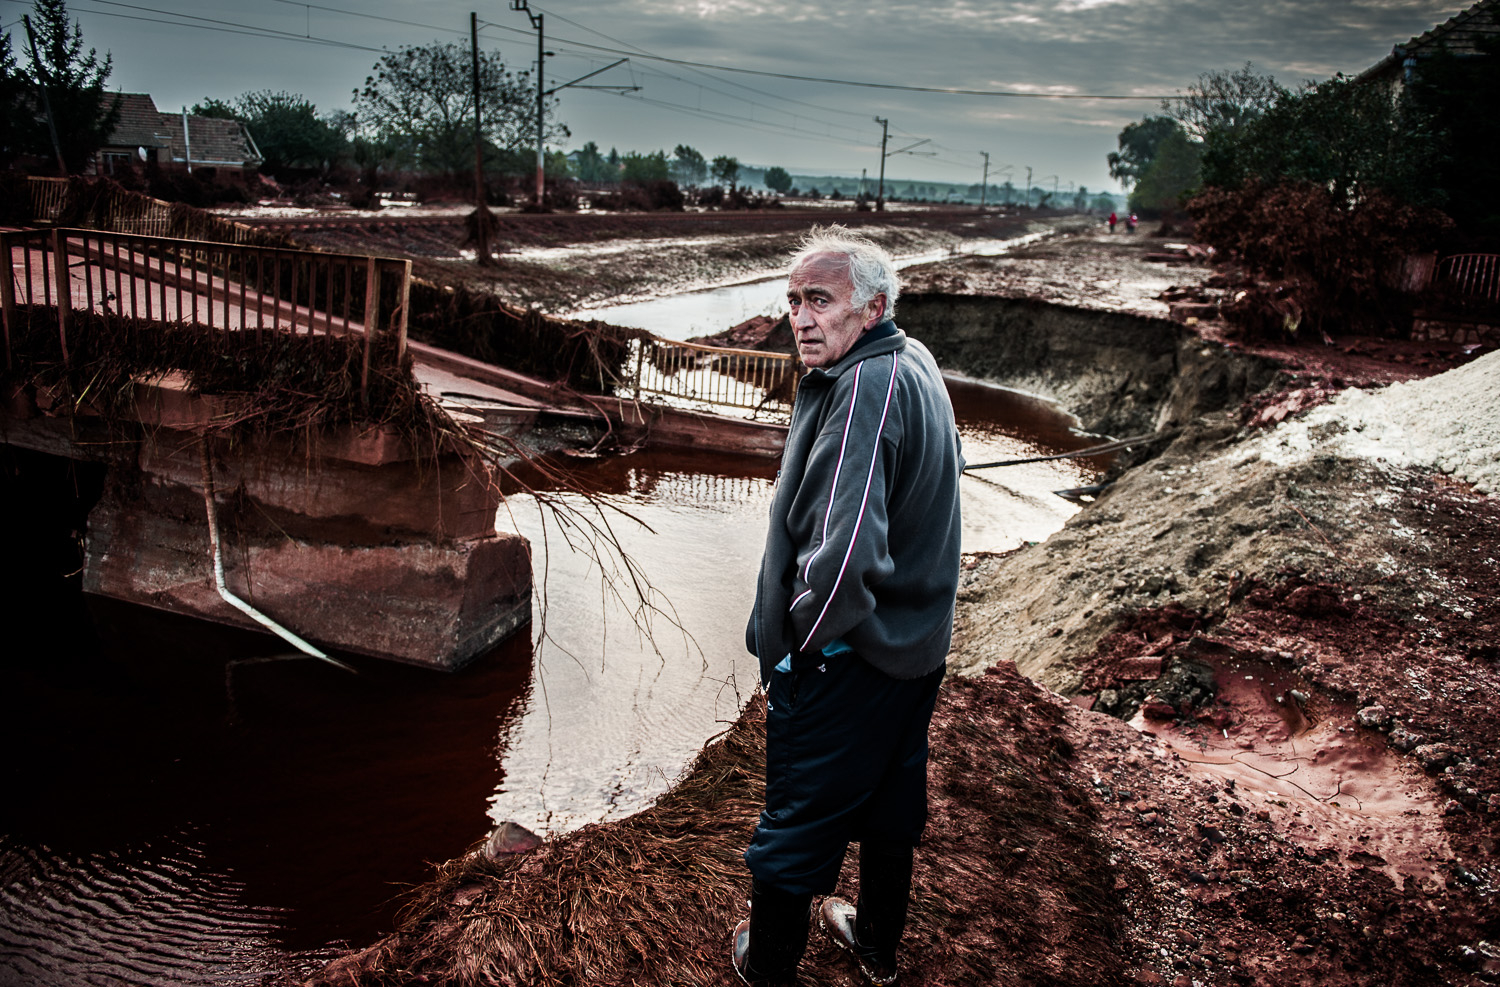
<point x="181" y="808"/>
<point x="192" y="810"/>
<point x="623" y="709"/>
<point x="1008" y="506"/>
<point x="700" y="313"/>
<point x="631" y="683"/>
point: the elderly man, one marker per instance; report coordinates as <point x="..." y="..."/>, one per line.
<point x="853" y="616"/>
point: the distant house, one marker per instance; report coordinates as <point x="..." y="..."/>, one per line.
<point x="1460" y="35"/>
<point x="175" y="140"/>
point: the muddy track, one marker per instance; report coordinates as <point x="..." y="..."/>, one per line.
<point x="550" y="261"/>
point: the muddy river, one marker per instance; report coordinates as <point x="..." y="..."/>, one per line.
<point x="186" y="804"/>
<point x="701" y="313"/>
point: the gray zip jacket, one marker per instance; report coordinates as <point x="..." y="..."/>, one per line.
<point x="863" y="544"/>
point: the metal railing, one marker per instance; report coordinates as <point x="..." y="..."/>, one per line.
<point x="691" y="373"/>
<point x="1476" y="275"/>
<point x="48" y="196"/>
<point x="231" y="287"/>
<point x="80" y="202"/>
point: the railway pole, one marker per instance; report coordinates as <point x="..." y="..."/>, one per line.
<point x="541" y="58"/>
<point x="481" y="221"/>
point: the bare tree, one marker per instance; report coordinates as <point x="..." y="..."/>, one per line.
<point x="420" y="105"/>
<point x="1223" y="102"/>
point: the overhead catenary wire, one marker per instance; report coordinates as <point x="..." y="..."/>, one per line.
<point x="748" y="123"/>
<point x="271" y="33"/>
<point x="211" y="24"/>
<point x="730" y="82"/>
<point x="864" y="84"/>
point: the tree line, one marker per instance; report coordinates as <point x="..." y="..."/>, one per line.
<point x="1431" y="143"/>
<point x="1324" y="192"/>
<point x="415" y="113"/>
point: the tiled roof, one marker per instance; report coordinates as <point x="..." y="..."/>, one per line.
<point x="1459" y="34"/>
<point x="214" y="141"/>
<point x="141" y="123"/>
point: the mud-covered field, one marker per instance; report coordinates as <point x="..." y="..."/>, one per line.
<point x="567" y="261"/>
<point x="1236" y="723"/>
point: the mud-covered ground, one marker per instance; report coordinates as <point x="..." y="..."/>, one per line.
<point x="567" y="261"/>
<point x="1236" y="723"/>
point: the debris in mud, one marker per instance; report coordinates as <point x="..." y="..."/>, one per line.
<point x="768" y="333"/>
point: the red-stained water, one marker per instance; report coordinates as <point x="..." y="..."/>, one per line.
<point x="183" y="804"/>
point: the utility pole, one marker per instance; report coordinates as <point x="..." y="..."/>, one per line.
<point x="1028" y="186"/>
<point x="36" y="60"/>
<point x="541" y="58"/>
<point x="984" y="183"/>
<point x="481" y="221"/>
<point x="884" y="134"/>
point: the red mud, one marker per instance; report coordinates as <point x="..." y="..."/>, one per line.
<point x="1308" y="791"/>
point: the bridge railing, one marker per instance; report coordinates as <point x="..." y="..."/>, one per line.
<point x="1474" y="275"/>
<point x="693" y="374"/>
<point x="48" y="196"/>
<point x="82" y="202"/>
<point x="253" y="290"/>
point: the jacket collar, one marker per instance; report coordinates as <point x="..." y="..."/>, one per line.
<point x="876" y="341"/>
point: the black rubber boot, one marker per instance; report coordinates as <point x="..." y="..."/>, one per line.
<point x="769" y="945"/>
<point x="884" y="888"/>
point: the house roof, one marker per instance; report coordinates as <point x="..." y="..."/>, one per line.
<point x="214" y="141"/>
<point x="140" y="123"/>
<point x="1459" y="34"/>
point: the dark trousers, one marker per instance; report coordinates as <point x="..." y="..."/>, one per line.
<point x="846" y="760"/>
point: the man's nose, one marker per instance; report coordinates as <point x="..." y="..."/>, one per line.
<point x="801" y="318"/>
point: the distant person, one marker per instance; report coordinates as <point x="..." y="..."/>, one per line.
<point x="853" y="617"/>
<point x="1130" y="223"/>
<point x="1113" y="219"/>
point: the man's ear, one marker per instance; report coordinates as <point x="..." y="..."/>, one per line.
<point x="875" y="311"/>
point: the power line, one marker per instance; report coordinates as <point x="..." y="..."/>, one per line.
<point x="747" y="122"/>
<point x="207" y="20"/>
<point x="639" y="51"/>
<point x="231" y="28"/>
<point x="769" y="109"/>
<point x="945" y="90"/>
<point x="731" y="82"/>
<point x="372" y="17"/>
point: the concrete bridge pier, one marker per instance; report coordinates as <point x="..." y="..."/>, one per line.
<point x="358" y="541"/>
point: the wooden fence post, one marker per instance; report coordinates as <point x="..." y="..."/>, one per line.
<point x="372" y="323"/>
<point x="64" y="293"/>
<point x="400" y="321"/>
<point x="8" y="294"/>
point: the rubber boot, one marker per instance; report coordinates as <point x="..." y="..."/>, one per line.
<point x="884" y="888"/>
<point x="770" y="944"/>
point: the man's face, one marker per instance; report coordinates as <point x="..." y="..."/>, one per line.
<point x="824" y="318"/>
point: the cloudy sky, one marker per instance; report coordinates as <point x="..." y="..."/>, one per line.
<point x="183" y="50"/>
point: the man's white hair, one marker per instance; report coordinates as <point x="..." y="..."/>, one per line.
<point x="871" y="267"/>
